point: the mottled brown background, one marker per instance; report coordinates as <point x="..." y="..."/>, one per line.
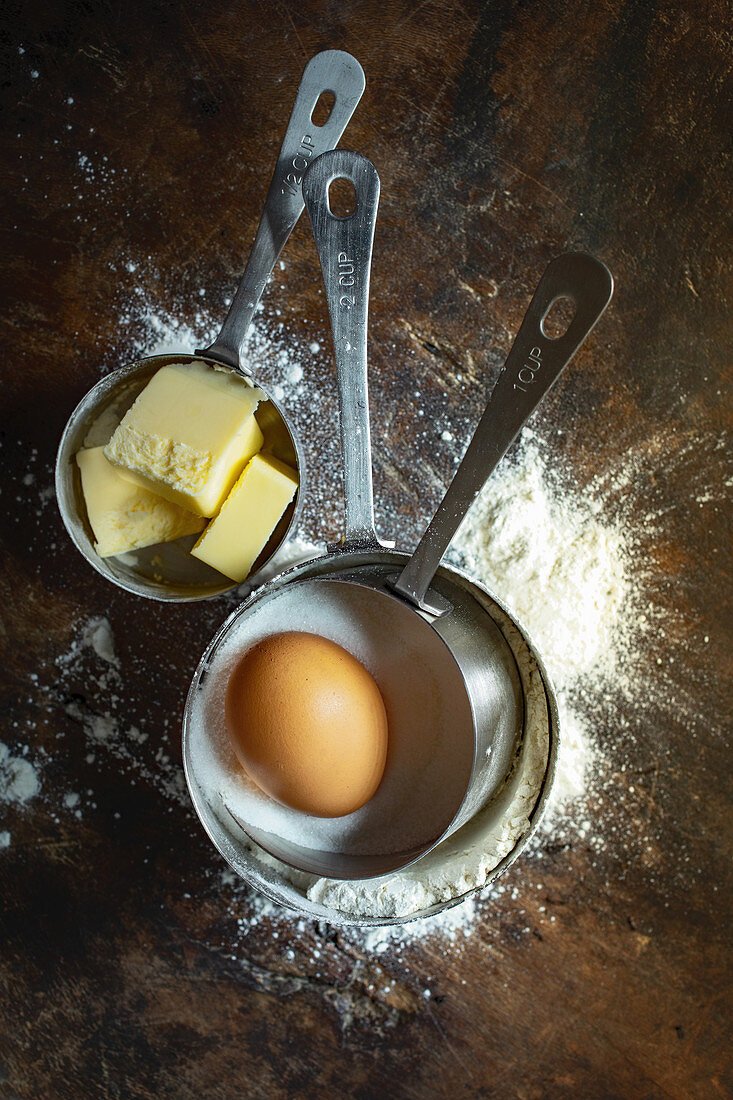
<point x="503" y="133"/>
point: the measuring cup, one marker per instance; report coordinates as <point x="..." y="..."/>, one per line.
<point x="168" y="571"/>
<point x="426" y="635"/>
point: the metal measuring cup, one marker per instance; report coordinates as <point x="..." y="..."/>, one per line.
<point x="302" y="892"/>
<point x="430" y="607"/>
<point x="167" y="571"/>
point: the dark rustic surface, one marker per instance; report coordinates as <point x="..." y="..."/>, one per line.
<point x="503" y="133"/>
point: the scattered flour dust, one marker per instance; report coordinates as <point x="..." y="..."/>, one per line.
<point x="19" y="783"/>
<point x="96" y="635"/>
<point x="100" y="711"/>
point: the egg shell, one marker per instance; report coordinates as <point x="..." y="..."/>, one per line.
<point x="308" y="724"/>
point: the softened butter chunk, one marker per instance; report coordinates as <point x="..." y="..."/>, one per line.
<point x="233" y="541"/>
<point x="189" y="435"/>
<point x="124" y="516"/>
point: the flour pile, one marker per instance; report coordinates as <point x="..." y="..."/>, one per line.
<point x="559" y="566"/>
<point x="562" y="570"/>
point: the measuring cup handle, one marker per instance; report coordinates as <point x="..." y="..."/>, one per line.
<point x="532" y="366"/>
<point x="345" y="250"/>
<point x="331" y="71"/>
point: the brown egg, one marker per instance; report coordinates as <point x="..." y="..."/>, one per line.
<point x="308" y="723"/>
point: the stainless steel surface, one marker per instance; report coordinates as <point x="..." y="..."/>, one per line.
<point x="532" y="366"/>
<point x="272" y="877"/>
<point x="167" y="571"/>
<point x="488" y="671"/>
<point x="331" y="71"/>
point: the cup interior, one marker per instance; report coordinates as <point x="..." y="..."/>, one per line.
<point x="166" y="571"/>
<point x="431" y="736"/>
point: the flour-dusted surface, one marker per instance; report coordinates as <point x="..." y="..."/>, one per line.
<point x="139" y="147"/>
<point x="19" y="781"/>
<point x="563" y="567"/>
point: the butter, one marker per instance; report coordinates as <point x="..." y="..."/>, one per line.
<point x="189" y="435"/>
<point x="124" y="516"/>
<point x="233" y="541"/>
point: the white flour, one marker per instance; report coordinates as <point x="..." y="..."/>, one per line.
<point x="563" y="570"/>
<point x="19" y="780"/>
<point x="554" y="561"/>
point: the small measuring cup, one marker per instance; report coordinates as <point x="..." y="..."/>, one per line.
<point x="167" y="571"/>
<point x="428" y="636"/>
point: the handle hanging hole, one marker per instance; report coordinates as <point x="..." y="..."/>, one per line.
<point x="341" y="198"/>
<point x="322" y="110"/>
<point x="558" y="318"/>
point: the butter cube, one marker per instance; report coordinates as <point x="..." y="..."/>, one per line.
<point x="233" y="541"/>
<point x="123" y="515"/>
<point x="189" y="435"/>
